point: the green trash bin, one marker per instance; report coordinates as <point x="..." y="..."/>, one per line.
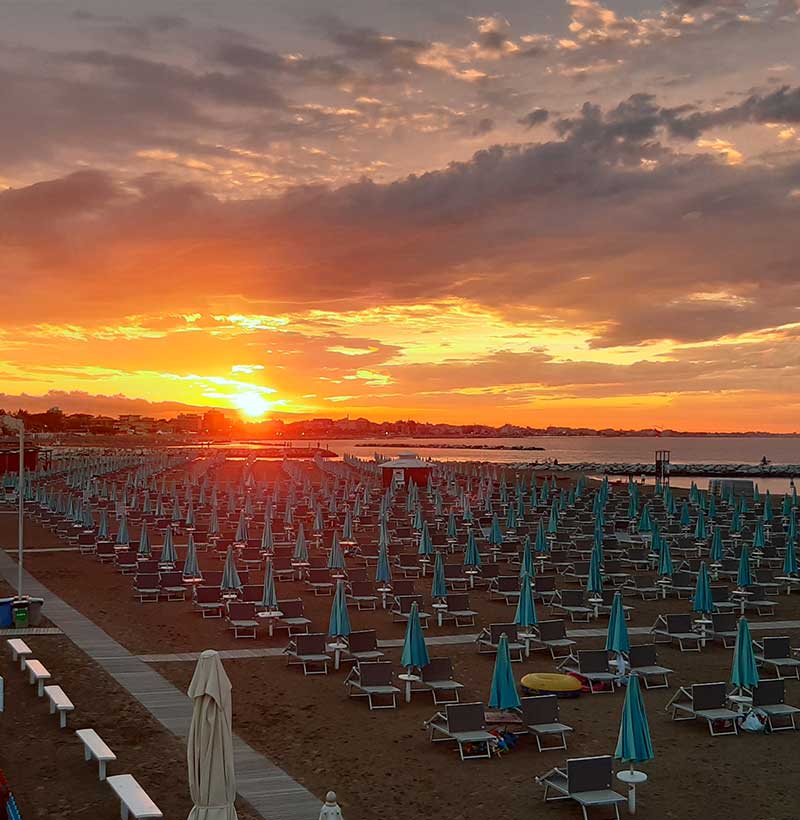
<point x="19" y="611"/>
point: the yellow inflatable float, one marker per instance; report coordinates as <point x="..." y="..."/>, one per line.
<point x="551" y="683"/>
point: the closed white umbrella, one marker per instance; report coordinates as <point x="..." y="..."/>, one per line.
<point x="212" y="783"/>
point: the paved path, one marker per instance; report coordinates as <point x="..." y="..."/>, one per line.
<point x="268" y="789"/>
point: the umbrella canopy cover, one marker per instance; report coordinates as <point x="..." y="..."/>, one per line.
<point x="703" y="602"/>
<point x="617" y="635"/>
<point x="634" y="744"/>
<point x="525" y="615"/>
<point x="212" y="782"/>
<point x="415" y="653"/>
<point x="339" y="623"/>
<point x="744" y="672"/>
<point x="503" y="694"/>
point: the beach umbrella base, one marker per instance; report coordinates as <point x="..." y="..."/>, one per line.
<point x="631" y="778"/>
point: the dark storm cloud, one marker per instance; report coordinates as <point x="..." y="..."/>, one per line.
<point x="535" y="117"/>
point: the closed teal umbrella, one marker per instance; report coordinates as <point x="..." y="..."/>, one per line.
<point x="241" y="529"/>
<point x="790" y="558"/>
<point x="744" y="672"/>
<point x="123" y="539"/>
<point x="145" y="550"/>
<point x="452" y="527"/>
<point x="703" y="602"/>
<point x="541" y="546"/>
<point x="230" y="577"/>
<point x="717" y="552"/>
<point x="191" y="567"/>
<point x="425" y="544"/>
<point x="743" y="577"/>
<point x="347" y="527"/>
<point x="617" y="635"/>
<point x="759" y="537"/>
<point x="645" y="522"/>
<point x="168" y="553"/>
<point x="336" y="558"/>
<point x="700" y="528"/>
<point x="102" y="531"/>
<point x="339" y="623"/>
<point x="665" y="560"/>
<point x="525" y="615"/>
<point x="503" y="694"/>
<point x="686" y="516"/>
<point x="526" y="567"/>
<point x="633" y="743"/>
<point x="415" y="653"/>
<point x="300" y="554"/>
<point x="439" y="586"/>
<point x="594" y="582"/>
<point x="552" y="523"/>
<point x="213" y="524"/>
<point x="267" y="539"/>
<point x="495" y="533"/>
<point x="768" y="513"/>
<point x="472" y="558"/>
<point x="269" y="598"/>
<point x="383" y="572"/>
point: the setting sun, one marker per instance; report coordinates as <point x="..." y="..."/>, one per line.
<point x="252" y="404"/>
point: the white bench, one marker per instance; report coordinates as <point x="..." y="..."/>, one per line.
<point x="95" y="747"/>
<point x="19" y="651"/>
<point x="37" y="674"/>
<point x="133" y="798"/>
<point x="59" y="702"/>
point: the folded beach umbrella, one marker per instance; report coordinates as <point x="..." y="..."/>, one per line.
<point x="418" y="520"/>
<point x="759" y="537"/>
<point x="645" y="521"/>
<point x="744" y="672"/>
<point x="700" y="528"/>
<point x="168" y="553"/>
<point x="665" y="567"/>
<point x="703" y="602"/>
<point x="123" y="539"/>
<point x="230" y="577"/>
<point x="212" y="781"/>
<point x="472" y="558"/>
<point x="526" y="567"/>
<point x="540" y="545"/>
<point x="213" y="524"/>
<point x="319" y="520"/>
<point x="594" y="581"/>
<point x="300" y="546"/>
<point x="495" y="533"/>
<point x="347" y="527"/>
<point x="241" y="529"/>
<point x="790" y="558"/>
<point x="191" y="567"/>
<point x="102" y="531"/>
<point x="525" y="615"/>
<point x="717" y="552"/>
<point x="415" y="653"/>
<point x="736" y="522"/>
<point x="552" y="523"/>
<point x="744" y="577"/>
<point x="189" y="520"/>
<point x="768" y="513"/>
<point x="617" y="635"/>
<point x="269" y="598"/>
<point x="336" y="558"/>
<point x="503" y="694"/>
<point x="633" y="743"/>
<point x="425" y="543"/>
<point x="439" y="586"/>
<point x="452" y="527"/>
<point x="145" y="549"/>
<point x="383" y="572"/>
<point x="339" y="623"/>
<point x="176" y="513"/>
<point x="686" y="516"/>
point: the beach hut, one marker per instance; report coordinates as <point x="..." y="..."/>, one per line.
<point x="407" y="467"/>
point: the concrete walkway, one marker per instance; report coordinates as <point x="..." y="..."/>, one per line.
<point x="267" y="788"/>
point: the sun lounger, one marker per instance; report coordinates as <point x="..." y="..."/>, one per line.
<point x="408" y="565"/>
<point x="59" y="702"/>
<point x="172" y="585"/>
<point x="758" y="601"/>
<point x="544" y="588"/>
<point x="776" y="652"/>
<point x="362" y="594"/>
<point x="208" y="601"/>
<point x="319" y="579"/>
<point x="362" y="646"/>
<point x="552" y="635"/>
<point x="587" y="781"/>
<point x="591" y="664"/>
<point x="541" y="719"/>
<point x="677" y="628"/>
<point x="458" y="610"/>
<point x="770" y="698"/>
<point x="504" y="588"/>
<point x="308" y="651"/>
<point x="402" y="609"/>
<point x="293" y="619"/>
<point x="437" y="677"/>
<point x="573" y="603"/>
<point x="133" y="798"/>
<point x="643" y="662"/>
<point x="455" y="578"/>
<point x="464" y="724"/>
<point x="373" y="681"/>
<point x="95" y="747"/>
<point x="241" y="618"/>
<point x="723" y="628"/>
<point x="489" y="638"/>
<point x="147" y="587"/>
<point x="708" y="702"/>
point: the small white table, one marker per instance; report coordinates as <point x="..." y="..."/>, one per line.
<point x="595" y="602"/>
<point x="337" y="647"/>
<point x="440" y="608"/>
<point x="741" y="702"/>
<point x="664" y="583"/>
<point x="269" y="616"/>
<point x="384" y="591"/>
<point x="703" y="623"/>
<point x="526" y="637"/>
<point x="408" y="679"/>
<point x="471" y="573"/>
<point x="631" y="779"/>
<point x="742" y="595"/>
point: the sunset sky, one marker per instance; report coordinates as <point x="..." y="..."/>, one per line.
<point x="553" y="212"/>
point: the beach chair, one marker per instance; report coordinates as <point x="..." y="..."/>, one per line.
<point x="489" y="638"/>
<point x="319" y="579"/>
<point x="723" y="628"/>
<point x="293" y="619"/>
<point x="362" y="594"/>
<point x="408" y="565"/>
<point x="645" y="589"/>
<point x="552" y="635"/>
<point x="683" y="585"/>
<point x="458" y="610"/>
<point x="147" y="587"/>
<point x="587" y="781"/>
<point x="677" y="628"/>
<point x="208" y="601"/>
<point x="464" y="724"/>
<point x="373" y="681"/>
<point x="614" y="573"/>
<point x="770" y="698"/>
<point x="504" y="588"/>
<point x="607" y="601"/>
<point x="402" y="586"/>
<point x="282" y="568"/>
<point x="308" y="650"/>
<point x="573" y="603"/>
<point x="720" y="597"/>
<point x="759" y="602"/>
<point x="242" y="620"/>
<point x="172" y="586"/>
<point x="362" y="645"/>
<point x="402" y="609"/>
<point x="540" y="717"/>
<point x="437" y="677"/>
<point x="708" y="702"/>
<point x="454" y="577"/>
<point x="544" y="588"/>
<point x="643" y="661"/>
<point x="126" y="563"/>
<point x="776" y="652"/>
<point x="592" y="665"/>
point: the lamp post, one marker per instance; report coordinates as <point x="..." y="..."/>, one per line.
<point x="18" y="425"/>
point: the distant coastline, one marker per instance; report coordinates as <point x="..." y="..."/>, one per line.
<point x="398" y="446"/>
